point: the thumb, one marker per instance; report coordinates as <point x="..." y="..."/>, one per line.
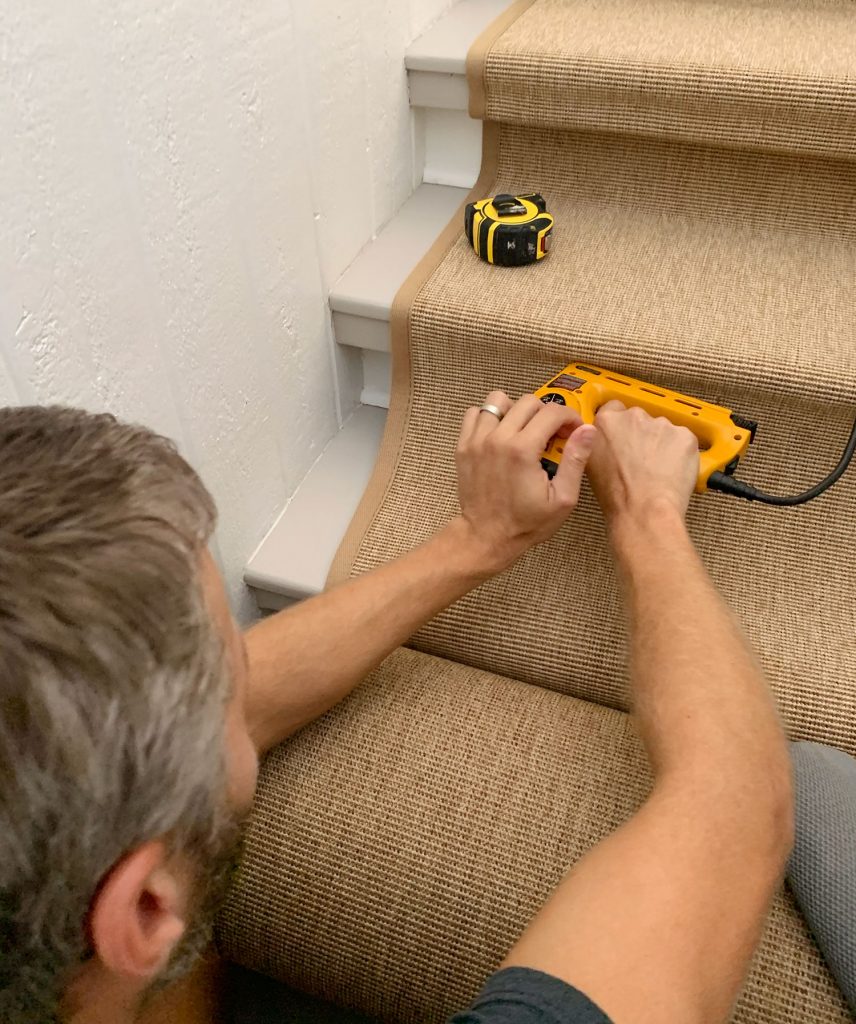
<point x="569" y="475"/>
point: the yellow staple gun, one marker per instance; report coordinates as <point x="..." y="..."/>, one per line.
<point x="723" y="436"/>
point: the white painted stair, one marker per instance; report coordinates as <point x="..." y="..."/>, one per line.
<point x="361" y="300"/>
<point x="293" y="560"/>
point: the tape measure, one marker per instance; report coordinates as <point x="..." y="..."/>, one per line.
<point x="509" y="230"/>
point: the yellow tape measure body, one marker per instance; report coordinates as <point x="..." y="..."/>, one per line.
<point x="510" y="231"/>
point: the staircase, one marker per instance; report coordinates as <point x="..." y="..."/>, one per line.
<point x="819" y="39"/>
<point x="699" y="157"/>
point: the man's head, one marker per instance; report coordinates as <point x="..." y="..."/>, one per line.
<point x="125" y="763"/>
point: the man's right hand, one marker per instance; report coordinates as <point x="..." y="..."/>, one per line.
<point x="641" y="464"/>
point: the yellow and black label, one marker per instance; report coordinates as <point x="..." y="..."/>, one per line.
<point x="509" y="230"/>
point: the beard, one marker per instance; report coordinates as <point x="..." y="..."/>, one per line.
<point x="217" y="867"/>
<point x="39" y="994"/>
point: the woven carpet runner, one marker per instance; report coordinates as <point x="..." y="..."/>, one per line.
<point x="700" y="161"/>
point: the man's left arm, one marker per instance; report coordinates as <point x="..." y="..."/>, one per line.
<point x="305" y="659"/>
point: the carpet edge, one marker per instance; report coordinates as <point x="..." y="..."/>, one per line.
<point x="479" y="51"/>
<point x="399" y="409"/>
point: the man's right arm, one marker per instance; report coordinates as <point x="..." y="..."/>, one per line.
<point x="659" y="922"/>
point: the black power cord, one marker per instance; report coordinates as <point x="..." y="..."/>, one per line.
<point x="728" y="485"/>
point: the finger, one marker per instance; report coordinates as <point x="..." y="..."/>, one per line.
<point x="568" y="478"/>
<point x="487" y="422"/>
<point x="546" y="423"/>
<point x="520" y="413"/>
<point x="468" y="425"/>
<point x="565" y="431"/>
<point x="613" y="405"/>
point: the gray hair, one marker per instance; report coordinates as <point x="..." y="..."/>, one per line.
<point x="112" y="676"/>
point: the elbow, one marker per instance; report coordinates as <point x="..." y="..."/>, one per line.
<point x="748" y="812"/>
<point x="770" y="815"/>
<point x="783" y="814"/>
<point x="788" y="801"/>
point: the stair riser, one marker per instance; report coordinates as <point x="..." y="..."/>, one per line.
<point x="692" y="106"/>
<point x="774" y="76"/>
<point x="794" y="564"/>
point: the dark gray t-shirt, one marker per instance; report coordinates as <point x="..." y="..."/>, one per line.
<point x="519" y="995"/>
<point x="513" y="996"/>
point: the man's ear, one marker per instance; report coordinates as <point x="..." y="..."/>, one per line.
<point x="138" y="914"/>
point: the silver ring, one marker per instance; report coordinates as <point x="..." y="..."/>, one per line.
<point x="493" y="410"/>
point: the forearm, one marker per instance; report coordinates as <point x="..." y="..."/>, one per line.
<point x="302" y="661"/>
<point x="701" y="702"/>
<point x="307" y="658"/>
<point x="659" y="921"/>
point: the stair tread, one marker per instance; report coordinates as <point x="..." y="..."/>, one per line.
<point x="716" y="261"/>
<point x="805" y="41"/>
<point x="443" y="48"/>
<point x="368" y="286"/>
<point x="437" y="786"/>
<point x="780" y="314"/>
<point x="774" y="74"/>
<point x="295" y="557"/>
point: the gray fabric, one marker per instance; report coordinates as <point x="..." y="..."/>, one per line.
<point x="518" y="995"/>
<point x="822" y="870"/>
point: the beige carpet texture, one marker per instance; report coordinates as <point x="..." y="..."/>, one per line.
<point x="699" y="159"/>
<point x="399" y="845"/>
<point x="773" y="74"/>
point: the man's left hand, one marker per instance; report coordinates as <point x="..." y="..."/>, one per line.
<point x="507" y="500"/>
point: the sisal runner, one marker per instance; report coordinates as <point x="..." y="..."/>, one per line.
<point x="728" y="275"/>
<point x="400" y="844"/>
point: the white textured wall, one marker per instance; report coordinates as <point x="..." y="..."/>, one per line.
<point x="180" y="183"/>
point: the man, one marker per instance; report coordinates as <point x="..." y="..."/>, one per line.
<point x="133" y="712"/>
